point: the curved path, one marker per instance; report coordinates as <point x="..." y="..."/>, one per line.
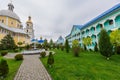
<point x="32" y="69"/>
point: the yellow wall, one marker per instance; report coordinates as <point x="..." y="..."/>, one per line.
<point x="21" y="38"/>
<point x="3" y="18"/>
<point x="10" y="22"/>
<point x="17" y="38"/>
<point x="2" y="36"/>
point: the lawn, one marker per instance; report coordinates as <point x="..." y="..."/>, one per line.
<point x="13" y="67"/>
<point x="88" y="66"/>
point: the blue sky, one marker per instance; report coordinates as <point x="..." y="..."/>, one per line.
<point x="52" y="18"/>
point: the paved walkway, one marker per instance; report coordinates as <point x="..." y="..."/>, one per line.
<point x="32" y="69"/>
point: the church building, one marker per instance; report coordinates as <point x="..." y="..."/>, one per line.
<point x="10" y="24"/>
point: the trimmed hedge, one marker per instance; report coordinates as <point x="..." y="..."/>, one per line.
<point x="3" y="53"/>
<point x="43" y="54"/>
<point x="19" y="57"/>
<point x="4" y="69"/>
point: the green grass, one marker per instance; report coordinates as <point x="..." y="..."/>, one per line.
<point x="13" y="68"/>
<point x="88" y="66"/>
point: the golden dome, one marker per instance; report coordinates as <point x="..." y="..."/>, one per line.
<point x="29" y="20"/>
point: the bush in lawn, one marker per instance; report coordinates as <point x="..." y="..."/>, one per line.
<point x="43" y="54"/>
<point x="85" y="48"/>
<point x="50" y="60"/>
<point x="105" y="46"/>
<point x="3" y="53"/>
<point x="58" y="46"/>
<point x="4" y="69"/>
<point x="76" y="51"/>
<point x="16" y="50"/>
<point x="96" y="48"/>
<point x="62" y="48"/>
<point x="76" y="48"/>
<point x="67" y="47"/>
<point x="27" y="47"/>
<point x="90" y="50"/>
<point x="19" y="57"/>
<point x="118" y="49"/>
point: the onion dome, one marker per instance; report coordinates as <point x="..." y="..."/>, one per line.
<point x="29" y="20"/>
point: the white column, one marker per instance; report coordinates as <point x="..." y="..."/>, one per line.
<point x="114" y="22"/>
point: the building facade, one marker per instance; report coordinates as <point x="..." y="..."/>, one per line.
<point x="10" y="24"/>
<point x="60" y="41"/>
<point x="109" y="20"/>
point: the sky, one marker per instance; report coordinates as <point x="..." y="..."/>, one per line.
<point x="54" y="18"/>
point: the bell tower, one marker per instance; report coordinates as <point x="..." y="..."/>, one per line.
<point x="29" y="28"/>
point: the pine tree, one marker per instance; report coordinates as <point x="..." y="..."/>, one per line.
<point x="51" y="43"/>
<point x="105" y="46"/>
<point x="8" y="42"/>
<point x="67" y="47"/>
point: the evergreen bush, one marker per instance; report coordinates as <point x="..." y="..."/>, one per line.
<point x="85" y="48"/>
<point x="19" y="57"/>
<point x="43" y="54"/>
<point x="105" y="46"/>
<point x="118" y="49"/>
<point x="3" y="53"/>
<point x="4" y="69"/>
<point x="76" y="51"/>
<point x="16" y="50"/>
<point x="67" y="47"/>
<point x="96" y="48"/>
<point x="62" y="48"/>
<point x="50" y="60"/>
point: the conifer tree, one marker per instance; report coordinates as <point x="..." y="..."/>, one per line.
<point x="105" y="46"/>
<point x="67" y="47"/>
<point x="8" y="42"/>
<point x="50" y="60"/>
<point x="4" y="69"/>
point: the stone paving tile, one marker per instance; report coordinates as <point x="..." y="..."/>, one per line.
<point x="32" y="69"/>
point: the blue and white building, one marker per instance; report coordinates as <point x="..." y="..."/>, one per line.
<point x="109" y="20"/>
<point x="60" y="41"/>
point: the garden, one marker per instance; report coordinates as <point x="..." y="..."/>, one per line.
<point x="88" y="66"/>
<point x="80" y="64"/>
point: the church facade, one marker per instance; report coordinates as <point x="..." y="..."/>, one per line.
<point x="10" y="24"/>
<point x="109" y="20"/>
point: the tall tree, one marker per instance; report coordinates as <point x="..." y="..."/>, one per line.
<point x="105" y="46"/>
<point x="45" y="43"/>
<point x="8" y="42"/>
<point x="67" y="47"/>
<point x="115" y="37"/>
<point x="51" y="43"/>
<point x="115" y="40"/>
<point x="86" y="41"/>
<point x="76" y="48"/>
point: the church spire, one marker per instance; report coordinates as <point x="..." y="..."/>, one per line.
<point x="29" y="19"/>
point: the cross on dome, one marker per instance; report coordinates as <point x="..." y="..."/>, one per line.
<point x="10" y="6"/>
